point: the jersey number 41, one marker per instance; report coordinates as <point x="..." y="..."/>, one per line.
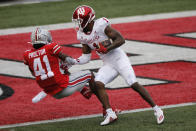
<point x="40" y="71"/>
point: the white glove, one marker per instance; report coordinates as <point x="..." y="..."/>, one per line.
<point x="64" y="65"/>
<point x="70" y="61"/>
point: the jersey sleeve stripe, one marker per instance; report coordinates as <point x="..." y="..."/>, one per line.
<point x="56" y="49"/>
<point x="55" y="46"/>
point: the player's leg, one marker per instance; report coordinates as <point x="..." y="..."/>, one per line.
<point x="105" y="75"/>
<point x="126" y="71"/>
<point x="94" y="90"/>
<point x="146" y="96"/>
<point x="143" y="93"/>
<point x="77" y="82"/>
<point x="128" y="74"/>
<point x="93" y="87"/>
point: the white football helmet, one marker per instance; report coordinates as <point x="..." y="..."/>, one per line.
<point x="40" y="36"/>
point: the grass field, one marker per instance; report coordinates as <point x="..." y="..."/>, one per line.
<point x="177" y="119"/>
<point x="60" y="12"/>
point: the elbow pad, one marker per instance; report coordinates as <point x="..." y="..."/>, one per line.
<point x="83" y="59"/>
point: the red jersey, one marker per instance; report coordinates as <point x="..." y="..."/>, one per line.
<point x="45" y="64"/>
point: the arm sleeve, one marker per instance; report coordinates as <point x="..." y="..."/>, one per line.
<point x="55" y="48"/>
<point x="104" y="23"/>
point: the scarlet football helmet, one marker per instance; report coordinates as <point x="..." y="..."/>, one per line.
<point x="83" y="15"/>
<point x="40" y="36"/>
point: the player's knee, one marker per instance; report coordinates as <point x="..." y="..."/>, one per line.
<point x="100" y="80"/>
<point x="100" y="85"/>
<point x="57" y="97"/>
<point x="135" y="86"/>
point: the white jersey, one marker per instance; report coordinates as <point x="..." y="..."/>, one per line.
<point x="115" y="61"/>
<point x="96" y="36"/>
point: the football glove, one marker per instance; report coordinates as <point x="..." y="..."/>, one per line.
<point x="101" y="49"/>
<point x="70" y="61"/>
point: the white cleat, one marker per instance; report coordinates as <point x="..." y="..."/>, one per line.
<point x="39" y="97"/>
<point x="117" y="111"/>
<point x="159" y="116"/>
<point x="110" y="117"/>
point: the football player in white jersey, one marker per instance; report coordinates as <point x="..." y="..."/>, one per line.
<point x="100" y="36"/>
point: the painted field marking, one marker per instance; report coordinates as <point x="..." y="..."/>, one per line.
<point x="188" y="35"/>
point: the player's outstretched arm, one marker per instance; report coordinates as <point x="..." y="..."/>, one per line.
<point x="86" y="55"/>
<point x="83" y="59"/>
<point x="66" y="58"/>
<point x="116" y="37"/>
<point x="62" y="56"/>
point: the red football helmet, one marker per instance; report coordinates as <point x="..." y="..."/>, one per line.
<point x="83" y="15"/>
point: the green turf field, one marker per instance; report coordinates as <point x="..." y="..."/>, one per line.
<point x="59" y="12"/>
<point x="176" y="119"/>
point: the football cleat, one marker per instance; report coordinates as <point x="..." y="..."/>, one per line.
<point x="86" y="92"/>
<point x="159" y="116"/>
<point x="110" y="117"/>
<point x="117" y="111"/>
<point x="39" y="97"/>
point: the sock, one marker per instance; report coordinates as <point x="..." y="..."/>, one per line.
<point x="155" y="108"/>
<point x="109" y="110"/>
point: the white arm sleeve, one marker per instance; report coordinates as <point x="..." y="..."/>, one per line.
<point x="83" y="59"/>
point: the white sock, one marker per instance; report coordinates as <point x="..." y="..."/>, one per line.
<point x="109" y="110"/>
<point x="155" y="108"/>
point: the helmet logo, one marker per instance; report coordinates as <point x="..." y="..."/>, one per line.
<point x="81" y="11"/>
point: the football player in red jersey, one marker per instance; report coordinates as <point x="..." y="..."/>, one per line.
<point x="100" y="36"/>
<point x="44" y="62"/>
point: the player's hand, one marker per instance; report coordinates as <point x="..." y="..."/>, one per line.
<point x="70" y="61"/>
<point x="101" y="49"/>
<point x="65" y="66"/>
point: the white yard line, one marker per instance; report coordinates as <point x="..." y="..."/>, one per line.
<point x="91" y="116"/>
<point x="113" y="21"/>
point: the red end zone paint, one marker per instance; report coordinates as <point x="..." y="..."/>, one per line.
<point x="157" y="31"/>
<point x="19" y="108"/>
